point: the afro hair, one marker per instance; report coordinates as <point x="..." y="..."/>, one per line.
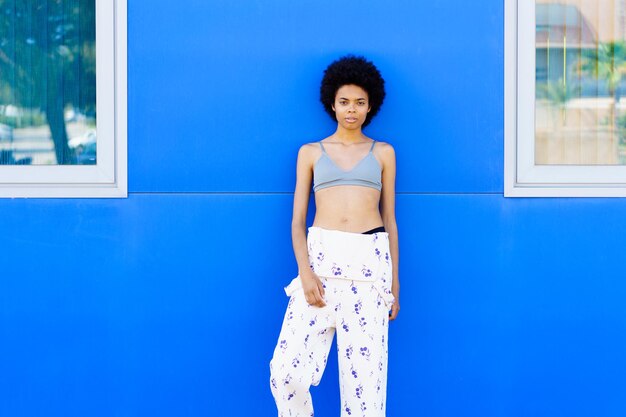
<point x="356" y="70"/>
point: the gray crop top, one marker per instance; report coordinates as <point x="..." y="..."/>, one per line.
<point x="367" y="172"/>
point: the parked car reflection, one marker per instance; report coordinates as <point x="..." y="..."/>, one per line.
<point x="84" y="148"/>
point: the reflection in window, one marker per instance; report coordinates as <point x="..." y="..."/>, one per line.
<point x="580" y="66"/>
<point x="47" y="82"/>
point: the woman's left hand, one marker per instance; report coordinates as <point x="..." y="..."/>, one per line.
<point x="395" y="309"/>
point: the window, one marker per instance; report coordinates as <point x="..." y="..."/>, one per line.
<point x="63" y="98"/>
<point x="565" y="75"/>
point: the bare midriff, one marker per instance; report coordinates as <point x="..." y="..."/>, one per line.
<point x="349" y="208"/>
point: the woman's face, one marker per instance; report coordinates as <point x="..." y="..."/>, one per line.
<point x="351" y="106"/>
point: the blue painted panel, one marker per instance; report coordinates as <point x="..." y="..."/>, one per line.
<point x="222" y="94"/>
<point x="150" y="306"/>
<point x="164" y="305"/>
<point x="517" y="307"/>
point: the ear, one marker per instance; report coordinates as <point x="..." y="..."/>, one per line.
<point x="333" y="107"/>
<point x="368" y="110"/>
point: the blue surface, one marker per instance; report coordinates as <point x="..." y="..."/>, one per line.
<point x="169" y="303"/>
<point x="220" y="81"/>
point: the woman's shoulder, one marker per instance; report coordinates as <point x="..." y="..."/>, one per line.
<point x="384" y="147"/>
<point x="310" y="147"/>
<point x="313" y="147"/>
<point x="381" y="143"/>
<point x="385" y="153"/>
<point x="310" y="151"/>
<point x="306" y="147"/>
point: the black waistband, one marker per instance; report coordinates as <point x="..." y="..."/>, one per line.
<point x="375" y="230"/>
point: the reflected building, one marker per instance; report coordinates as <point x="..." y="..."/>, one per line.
<point x="577" y="117"/>
<point x="564" y="30"/>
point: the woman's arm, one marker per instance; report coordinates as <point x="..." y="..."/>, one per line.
<point x="388" y="213"/>
<point x="311" y="284"/>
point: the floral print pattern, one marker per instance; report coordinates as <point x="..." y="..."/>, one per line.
<point x="360" y="284"/>
<point x="352" y="256"/>
<point x="304" y="343"/>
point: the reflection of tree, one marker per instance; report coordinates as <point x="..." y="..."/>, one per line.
<point x="559" y="93"/>
<point x="47" y="60"/>
<point x="621" y="127"/>
<point x="607" y="62"/>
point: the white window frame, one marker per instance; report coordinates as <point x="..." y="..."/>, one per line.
<point x="109" y="177"/>
<point x="522" y="178"/>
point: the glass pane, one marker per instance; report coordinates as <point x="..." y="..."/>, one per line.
<point x="580" y="67"/>
<point x="47" y="82"/>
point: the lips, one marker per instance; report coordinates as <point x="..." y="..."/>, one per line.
<point x="351" y="119"/>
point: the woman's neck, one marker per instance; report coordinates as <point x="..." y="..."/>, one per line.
<point x="348" y="136"/>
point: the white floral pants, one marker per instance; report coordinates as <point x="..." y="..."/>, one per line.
<point x="356" y="272"/>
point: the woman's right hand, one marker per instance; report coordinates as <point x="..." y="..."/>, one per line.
<point x="313" y="289"/>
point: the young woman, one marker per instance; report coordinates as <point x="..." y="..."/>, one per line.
<point x="348" y="262"/>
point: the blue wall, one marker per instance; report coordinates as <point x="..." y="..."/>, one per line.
<point x="169" y="303"/>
